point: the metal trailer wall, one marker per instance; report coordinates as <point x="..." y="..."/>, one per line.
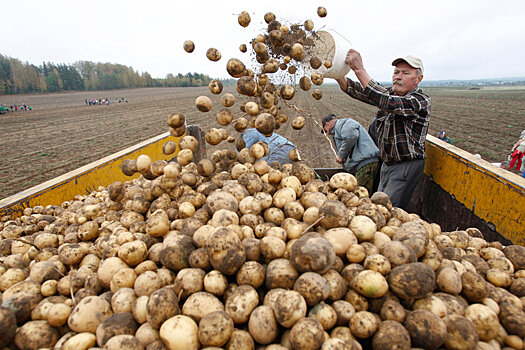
<point x="460" y="190"/>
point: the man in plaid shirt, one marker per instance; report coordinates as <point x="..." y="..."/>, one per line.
<point x="401" y="122"/>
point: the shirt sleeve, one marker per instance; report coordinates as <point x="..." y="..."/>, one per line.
<point x="355" y="90"/>
<point x="405" y="106"/>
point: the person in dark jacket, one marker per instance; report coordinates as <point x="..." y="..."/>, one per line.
<point x="356" y="151"/>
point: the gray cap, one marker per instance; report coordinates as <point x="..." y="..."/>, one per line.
<point x="412" y="61"/>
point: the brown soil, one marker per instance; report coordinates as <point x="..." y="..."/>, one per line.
<point x="62" y="133"/>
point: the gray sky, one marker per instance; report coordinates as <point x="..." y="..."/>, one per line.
<point x="456" y="39"/>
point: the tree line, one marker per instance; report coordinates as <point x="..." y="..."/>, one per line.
<point x="17" y="77"/>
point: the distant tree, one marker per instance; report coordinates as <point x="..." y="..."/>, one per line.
<point x="53" y="81"/>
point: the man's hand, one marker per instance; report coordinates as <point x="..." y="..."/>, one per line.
<point x="339" y="160"/>
<point x="354" y="60"/>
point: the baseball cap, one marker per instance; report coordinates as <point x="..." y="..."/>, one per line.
<point x="326" y="120"/>
<point x="413" y="61"/>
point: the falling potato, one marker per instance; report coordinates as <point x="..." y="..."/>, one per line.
<point x="328" y="64"/>
<point x="315" y="62"/>
<point x="215" y="87"/>
<point x="236" y="68"/>
<point x="294" y="155"/>
<point x="259" y="47"/>
<point x="213" y="136"/>
<point x="189" y="46"/>
<point x="265" y="123"/>
<point x="298" y="122"/>
<point x="176" y="120"/>
<point x="287" y="92"/>
<point x="213" y="54"/>
<point x="317" y="94"/>
<point x="228" y="100"/>
<point x="308" y="24"/>
<point x="243" y="48"/>
<point x="203" y="103"/>
<point x="305" y="83"/>
<point x="241" y="124"/>
<point x="252" y="108"/>
<point x="321" y="11"/>
<point x="246" y="86"/>
<point x="297" y="52"/>
<point x="317" y="79"/>
<point x="244" y="19"/>
<point x="268" y="17"/>
<point x="224" y="116"/>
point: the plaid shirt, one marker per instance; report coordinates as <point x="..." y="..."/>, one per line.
<point x="402" y="121"/>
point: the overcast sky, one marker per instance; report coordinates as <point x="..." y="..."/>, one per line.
<point x="456" y="39"/>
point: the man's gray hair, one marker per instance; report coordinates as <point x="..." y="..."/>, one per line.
<point x="419" y="72"/>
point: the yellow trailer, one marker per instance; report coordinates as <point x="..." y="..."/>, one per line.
<point x="458" y="190"/>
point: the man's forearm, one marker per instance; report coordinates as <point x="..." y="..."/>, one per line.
<point x="363" y="77"/>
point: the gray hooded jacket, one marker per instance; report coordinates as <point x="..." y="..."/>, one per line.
<point x="354" y="145"/>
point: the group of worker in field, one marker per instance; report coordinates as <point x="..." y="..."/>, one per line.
<point x="16" y="107"/>
<point x="390" y="156"/>
<point x="103" y="101"/>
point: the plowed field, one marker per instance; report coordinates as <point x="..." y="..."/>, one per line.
<point x="62" y="133"/>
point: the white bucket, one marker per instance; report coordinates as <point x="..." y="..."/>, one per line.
<point x="329" y="46"/>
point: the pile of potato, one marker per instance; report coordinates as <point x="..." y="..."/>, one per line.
<point x="256" y="257"/>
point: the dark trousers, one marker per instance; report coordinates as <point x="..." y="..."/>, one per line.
<point x="399" y="180"/>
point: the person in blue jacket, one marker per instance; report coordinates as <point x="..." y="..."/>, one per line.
<point x="279" y="146"/>
<point x="356" y="150"/>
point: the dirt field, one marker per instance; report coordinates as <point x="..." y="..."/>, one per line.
<point x="62" y="133"/>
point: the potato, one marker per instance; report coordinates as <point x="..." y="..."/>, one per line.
<point x="485" y="320"/>
<point x="246" y="86"/>
<point x="377" y="262"/>
<point x="241" y="302"/>
<point x="289" y="307"/>
<point x="80" y="341"/>
<point x="298" y="122"/>
<point x="280" y="273"/>
<point x="221" y="200"/>
<point x="88" y="313"/>
<point x="321" y="12"/>
<point x="317" y="94"/>
<point x="313" y="287"/>
<point x="325" y="314"/>
<point x="432" y="304"/>
<point x="117" y="324"/>
<point x="305" y="83"/>
<point x="461" y="333"/>
<point x="262" y="325"/>
<point x="370" y="284"/>
<point x="123" y="299"/>
<point x="7" y="326"/>
<point x="411" y="281"/>
<point x="426" y="329"/>
<point x="213" y="54"/>
<point x="391" y="335"/>
<point x="312" y="252"/>
<point x="200" y="304"/>
<point x="203" y="103"/>
<point x="215" y="329"/>
<point x="36" y="335"/>
<point x="334" y="214"/>
<point x="341" y="238"/>
<point x="58" y="314"/>
<point x="189" y="46"/>
<point x="394" y="311"/>
<point x="516" y="254"/>
<point x="448" y="280"/>
<point x="162" y="305"/>
<point x="176" y="251"/>
<point x="265" y="123"/>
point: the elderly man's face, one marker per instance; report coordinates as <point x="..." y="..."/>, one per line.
<point x="405" y="78"/>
